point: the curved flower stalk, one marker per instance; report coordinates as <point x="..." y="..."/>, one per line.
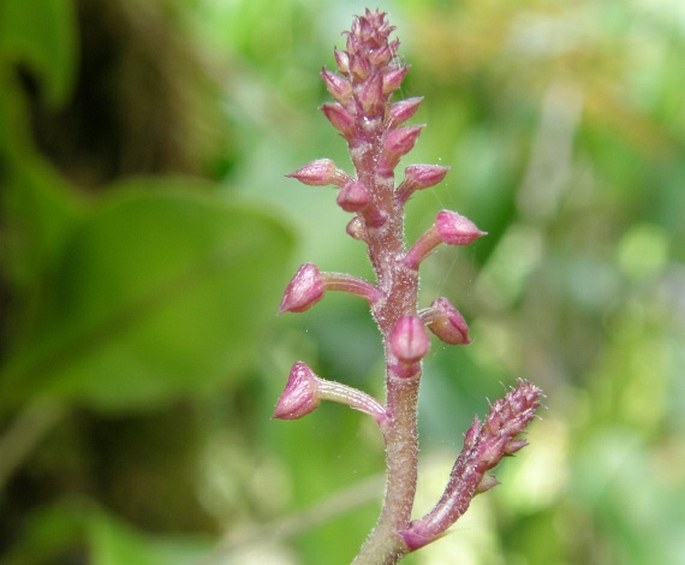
<point x="367" y="77"/>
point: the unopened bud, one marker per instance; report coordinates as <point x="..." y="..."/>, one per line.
<point x="299" y="397"/>
<point x="340" y="118"/>
<point x="321" y="172"/>
<point x="408" y="340"/>
<point x="455" y="229"/>
<point x="486" y="483"/>
<point x="338" y="87"/>
<point x="371" y="96"/>
<point x="446" y="322"/>
<point x="304" y="290"/>
<point x="397" y="143"/>
<point x="418" y="177"/>
<point x="353" y="197"/>
<point x="514" y="445"/>
<point x="342" y="60"/>
<point x="401" y="111"/>
<point x="393" y="79"/>
<point x="450" y="228"/>
<point x="356" y="229"/>
<point x="360" y="67"/>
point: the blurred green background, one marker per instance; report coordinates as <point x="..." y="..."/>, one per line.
<point x="147" y="232"/>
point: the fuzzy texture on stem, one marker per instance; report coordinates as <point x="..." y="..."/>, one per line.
<point x="369" y="74"/>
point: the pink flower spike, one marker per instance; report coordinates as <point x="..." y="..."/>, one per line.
<point x="455" y="229"/>
<point x="304" y="290"/>
<point x="418" y="177"/>
<point x="446" y="322"/>
<point x="338" y="87"/>
<point x="299" y="397"/>
<point x="393" y="79"/>
<point x="401" y="111"/>
<point x="321" y="172"/>
<point x="353" y="197"/>
<point x="408" y="340"/>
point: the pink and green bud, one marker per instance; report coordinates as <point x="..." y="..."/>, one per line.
<point x="355" y="228"/>
<point x="393" y="79"/>
<point x="321" y="172"/>
<point x="446" y="322"/>
<point x="360" y="68"/>
<point x="397" y="143"/>
<point x="339" y="118"/>
<point x="338" y="87"/>
<point x="353" y="197"/>
<point x="418" y="177"/>
<point x="299" y="397"/>
<point x="401" y="111"/>
<point x="342" y="60"/>
<point x="449" y="228"/>
<point x="409" y="341"/>
<point x="371" y="96"/>
<point x="304" y="290"/>
<point x="487" y="482"/>
<point x="514" y="445"/>
<point x="381" y="56"/>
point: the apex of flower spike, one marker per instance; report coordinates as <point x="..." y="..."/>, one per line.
<point x="299" y="397"/>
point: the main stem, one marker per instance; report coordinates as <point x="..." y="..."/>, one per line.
<point x="400" y="284"/>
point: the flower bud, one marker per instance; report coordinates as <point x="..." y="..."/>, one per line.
<point x="393" y="79"/>
<point x="356" y="229"/>
<point x="304" y="290"/>
<point x="408" y="340"/>
<point x="338" y="87"/>
<point x="321" y="172"/>
<point x="381" y="56"/>
<point x="397" y="143"/>
<point x="401" y="111"/>
<point x="299" y="397"/>
<point x="359" y="67"/>
<point x="340" y="118"/>
<point x="446" y="322"/>
<point x="486" y="483"/>
<point x="342" y="60"/>
<point x="514" y="445"/>
<point x="450" y="228"/>
<point x="418" y="177"/>
<point x="353" y="197"/>
<point x="455" y="229"/>
<point x="371" y="96"/>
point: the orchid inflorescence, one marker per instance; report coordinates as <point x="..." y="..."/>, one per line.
<point x="369" y="73"/>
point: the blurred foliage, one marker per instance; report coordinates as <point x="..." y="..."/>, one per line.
<point x="146" y="232"/>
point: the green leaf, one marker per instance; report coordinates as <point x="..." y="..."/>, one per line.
<point x="159" y="293"/>
<point x="42" y="34"/>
